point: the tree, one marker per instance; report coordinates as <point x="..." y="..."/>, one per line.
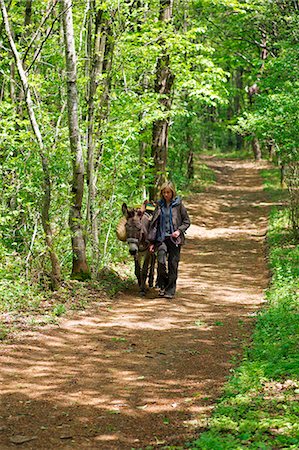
<point x="163" y="85"/>
<point x="80" y="268"/>
<point x="55" y="275"/>
<point x="100" y="54"/>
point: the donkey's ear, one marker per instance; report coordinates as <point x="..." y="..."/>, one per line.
<point x="143" y="206"/>
<point x="124" y="209"/>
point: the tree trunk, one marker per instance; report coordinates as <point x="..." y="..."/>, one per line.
<point x="142" y="154"/>
<point x="100" y="57"/>
<point x="143" y="144"/>
<point x="55" y="275"/>
<point x="256" y="148"/>
<point x="190" y="146"/>
<point x="28" y="12"/>
<point x="163" y="85"/>
<point x="237" y="103"/>
<point x="12" y="84"/>
<point x="94" y="69"/>
<point x="229" y="115"/>
<point x="190" y="159"/>
<point x="282" y="175"/>
<point x="80" y="268"/>
<point x="2" y="90"/>
<point x="271" y="149"/>
<point x="292" y="180"/>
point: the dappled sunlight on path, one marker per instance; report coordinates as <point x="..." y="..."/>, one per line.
<point x="132" y="372"/>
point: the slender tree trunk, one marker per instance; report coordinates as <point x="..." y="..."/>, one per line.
<point x="237" y="103"/>
<point x="94" y="67"/>
<point x="28" y="12"/>
<point x="142" y="156"/>
<point x="2" y="90"/>
<point x="256" y="148"/>
<point x="143" y="144"/>
<point x="282" y="175"/>
<point x="190" y="155"/>
<point x="254" y="89"/>
<point x="80" y="268"/>
<point x="100" y="57"/>
<point x="27" y="21"/>
<point x="163" y="85"/>
<point x="271" y="149"/>
<point x="229" y="115"/>
<point x="12" y="84"/>
<point x="144" y="147"/>
<point x="55" y="275"/>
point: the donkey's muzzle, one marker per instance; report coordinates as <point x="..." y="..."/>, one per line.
<point x="133" y="246"/>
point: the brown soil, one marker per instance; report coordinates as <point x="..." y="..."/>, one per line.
<point x="135" y="372"/>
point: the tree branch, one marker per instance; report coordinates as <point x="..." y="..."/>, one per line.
<point x="43" y="42"/>
<point x="37" y="31"/>
<point x="2" y="24"/>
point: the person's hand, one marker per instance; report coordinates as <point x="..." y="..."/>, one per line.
<point x="152" y="248"/>
<point x="176" y="234"/>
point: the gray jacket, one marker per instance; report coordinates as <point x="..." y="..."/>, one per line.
<point x="180" y="221"/>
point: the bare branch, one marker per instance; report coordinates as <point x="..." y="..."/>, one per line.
<point x="2" y="24"/>
<point x="44" y="40"/>
<point x="37" y="31"/>
<point x="245" y="59"/>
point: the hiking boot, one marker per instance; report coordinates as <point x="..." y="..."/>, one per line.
<point x="169" y="296"/>
<point x="161" y="292"/>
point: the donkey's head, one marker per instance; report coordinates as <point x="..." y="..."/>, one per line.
<point x="134" y="226"/>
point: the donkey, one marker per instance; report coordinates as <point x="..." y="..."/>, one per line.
<point x="137" y="225"/>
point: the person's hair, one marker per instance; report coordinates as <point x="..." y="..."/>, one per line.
<point x="168" y="185"/>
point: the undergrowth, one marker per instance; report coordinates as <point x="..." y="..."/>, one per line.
<point x="25" y="304"/>
<point x="260" y="408"/>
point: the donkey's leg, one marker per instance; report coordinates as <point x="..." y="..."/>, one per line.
<point x="151" y="275"/>
<point x="139" y="274"/>
<point x="144" y="271"/>
<point x="137" y="271"/>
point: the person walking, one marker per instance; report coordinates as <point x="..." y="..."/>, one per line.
<point x="167" y="234"/>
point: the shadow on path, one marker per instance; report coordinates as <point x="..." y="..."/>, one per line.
<point x="134" y="372"/>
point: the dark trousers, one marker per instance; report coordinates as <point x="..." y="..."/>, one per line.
<point x="168" y="262"/>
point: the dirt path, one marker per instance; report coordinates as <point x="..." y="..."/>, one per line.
<point x="130" y="372"/>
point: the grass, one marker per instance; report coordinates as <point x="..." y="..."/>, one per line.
<point x="203" y="178"/>
<point x="25" y="304"/>
<point x="272" y="185"/>
<point x="229" y="154"/>
<point x="260" y="408"/>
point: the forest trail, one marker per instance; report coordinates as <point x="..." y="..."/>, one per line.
<point x="129" y="372"/>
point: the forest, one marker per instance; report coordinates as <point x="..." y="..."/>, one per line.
<point x="102" y="101"/>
